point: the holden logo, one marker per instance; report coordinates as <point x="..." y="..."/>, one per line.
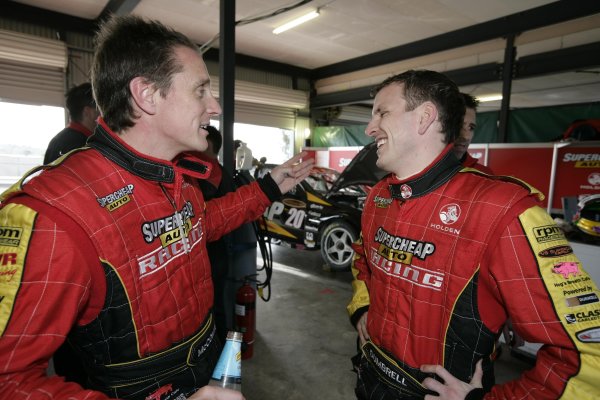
<point x="405" y="191"/>
<point x="594" y="178"/>
<point x="450" y="213"/>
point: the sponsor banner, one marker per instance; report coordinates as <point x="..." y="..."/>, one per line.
<point x="577" y="172"/>
<point x="339" y="159"/>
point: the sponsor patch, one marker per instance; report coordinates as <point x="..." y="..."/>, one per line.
<point x="449" y="213"/>
<point x="163" y="227"/>
<point x="582" y="300"/>
<point x="418" y="276"/>
<point x="162" y="256"/>
<point x="14" y="244"/>
<point x="566" y="269"/>
<point x="8" y="267"/>
<point x="583" y="316"/>
<point x="381" y="202"/>
<point x="10" y="236"/>
<point x="556" y="251"/>
<point x="548" y="233"/>
<point x="405" y="191"/>
<point x="591" y="335"/>
<point x="418" y="248"/>
<point x="116" y="199"/>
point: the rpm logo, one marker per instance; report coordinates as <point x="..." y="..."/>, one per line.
<point x="548" y="233"/>
<point x="10" y="236"/>
<point x="450" y="213"/>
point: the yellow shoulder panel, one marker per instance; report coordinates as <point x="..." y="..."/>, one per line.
<point x="16" y="226"/>
<point x="574" y="294"/>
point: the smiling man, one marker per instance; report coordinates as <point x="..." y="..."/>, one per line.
<point x="447" y="254"/>
<point x="109" y="245"/>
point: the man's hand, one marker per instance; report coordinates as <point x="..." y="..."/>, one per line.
<point x="361" y="327"/>
<point x="452" y="388"/>
<point x="292" y="172"/>
<point x="216" y="393"/>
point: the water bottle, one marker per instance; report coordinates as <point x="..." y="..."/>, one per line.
<point x="228" y="372"/>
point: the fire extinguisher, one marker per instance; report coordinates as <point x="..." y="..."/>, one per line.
<point x="245" y="315"/>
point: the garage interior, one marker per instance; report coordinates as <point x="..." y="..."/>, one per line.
<point x="533" y="53"/>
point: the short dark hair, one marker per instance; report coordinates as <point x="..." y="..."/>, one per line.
<point x="423" y="85"/>
<point x="128" y="47"/>
<point x="77" y="98"/>
<point x="470" y="101"/>
<point x="214" y="136"/>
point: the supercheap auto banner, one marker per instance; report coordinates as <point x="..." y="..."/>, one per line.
<point x="577" y="172"/>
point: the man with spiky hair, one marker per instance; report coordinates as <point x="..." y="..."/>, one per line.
<point x="447" y="254"/>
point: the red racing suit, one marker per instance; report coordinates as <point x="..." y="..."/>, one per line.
<point x="109" y="249"/>
<point x="445" y="257"/>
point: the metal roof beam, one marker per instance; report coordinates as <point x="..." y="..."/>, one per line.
<point x="551" y="62"/>
<point x="118" y="7"/>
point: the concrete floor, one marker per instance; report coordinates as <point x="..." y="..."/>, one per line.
<point x="304" y="340"/>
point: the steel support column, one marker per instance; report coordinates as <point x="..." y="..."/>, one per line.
<point x="510" y="53"/>
<point x="227" y="80"/>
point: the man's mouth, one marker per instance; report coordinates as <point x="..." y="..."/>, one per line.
<point x="381" y="142"/>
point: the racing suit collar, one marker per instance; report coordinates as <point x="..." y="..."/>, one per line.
<point x="112" y="147"/>
<point x="436" y="174"/>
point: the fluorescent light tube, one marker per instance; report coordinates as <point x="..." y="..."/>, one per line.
<point x="491" y="97"/>
<point x="296" y="22"/>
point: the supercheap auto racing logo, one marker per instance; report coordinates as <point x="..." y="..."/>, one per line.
<point x="394" y="255"/>
<point x="117" y="198"/>
<point x="581" y="160"/>
<point x="177" y="236"/>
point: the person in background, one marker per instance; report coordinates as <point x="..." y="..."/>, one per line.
<point x="463" y="141"/>
<point x="219" y="251"/>
<point x="447" y="254"/>
<point x="82" y="120"/>
<point x="107" y="247"/>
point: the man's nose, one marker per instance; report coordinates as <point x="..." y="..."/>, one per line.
<point x="213" y="107"/>
<point x="371" y="128"/>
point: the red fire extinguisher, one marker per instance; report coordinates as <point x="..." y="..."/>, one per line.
<point x="245" y="316"/>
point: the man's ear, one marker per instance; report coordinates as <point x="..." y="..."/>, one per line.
<point x="427" y="116"/>
<point x="143" y="94"/>
<point x="90" y="113"/>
